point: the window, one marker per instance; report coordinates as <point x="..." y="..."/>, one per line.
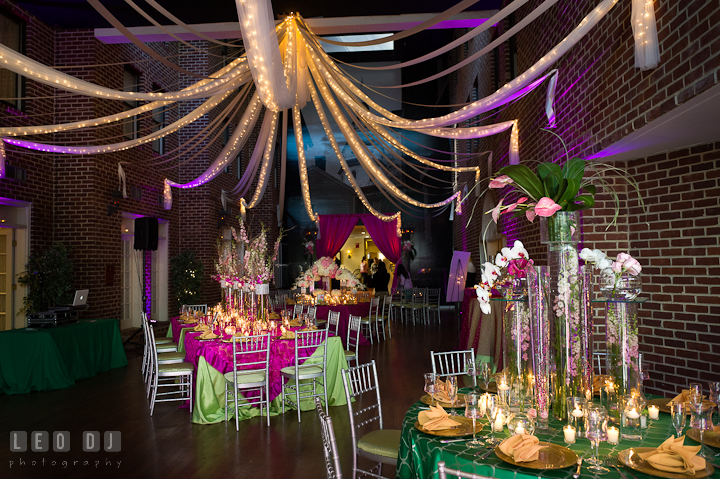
<point x="238" y="167"/>
<point x="513" y="49"/>
<point x="131" y="82"/>
<point x="11" y="35"/>
<point x="158" y="122"/>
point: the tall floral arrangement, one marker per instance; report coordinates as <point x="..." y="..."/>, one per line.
<point x="509" y="263"/>
<point x="258" y="259"/>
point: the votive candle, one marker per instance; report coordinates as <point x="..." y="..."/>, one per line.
<point x="569" y="433"/>
<point x="613" y="434"/>
<point x="654" y="412"/>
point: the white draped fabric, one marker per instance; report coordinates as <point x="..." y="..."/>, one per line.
<point x="647" y="50"/>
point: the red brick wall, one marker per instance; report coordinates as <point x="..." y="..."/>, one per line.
<point x="601" y="97"/>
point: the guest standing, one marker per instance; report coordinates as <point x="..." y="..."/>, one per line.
<point x="382" y="278"/>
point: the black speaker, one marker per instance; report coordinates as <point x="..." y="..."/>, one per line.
<point x="146" y="233"/>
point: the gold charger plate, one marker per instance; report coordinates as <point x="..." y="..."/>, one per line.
<point x="464" y="429"/>
<point x="459" y="402"/>
<point x="662" y="404"/>
<point x="637" y="464"/>
<point x="551" y="456"/>
<point x="710" y="438"/>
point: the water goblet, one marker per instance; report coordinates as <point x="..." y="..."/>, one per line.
<point x="714" y="392"/>
<point x="702" y="421"/>
<point x="596" y="431"/>
<point x="494" y="411"/>
<point x="472" y="411"/>
<point x="485" y="374"/>
<point x="679" y="416"/>
<point x="430" y="386"/>
<point x="472" y="371"/>
<point x="695" y="388"/>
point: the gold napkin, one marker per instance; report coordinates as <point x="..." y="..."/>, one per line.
<point x="190" y="321"/>
<point x="288" y="335"/>
<point x="312" y="327"/>
<point x="274" y="316"/>
<point x="441" y="392"/>
<point x="207" y="335"/>
<point x="599" y="382"/>
<point x="289" y="301"/>
<point x="295" y="323"/>
<point x="436" y="419"/>
<point x="201" y="327"/>
<point x="684" y="396"/>
<point x="716" y="429"/>
<point x="672" y="456"/>
<point x="522" y="447"/>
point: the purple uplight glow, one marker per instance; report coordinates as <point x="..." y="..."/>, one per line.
<point x="147" y="270"/>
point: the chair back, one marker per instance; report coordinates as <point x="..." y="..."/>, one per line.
<point x="374" y="305"/>
<point x="451" y="363"/>
<point x="419" y="296"/>
<point x="250" y="354"/>
<point x="362" y="381"/>
<point x="310" y="346"/>
<point x="312" y="313"/>
<point x="333" y="322"/>
<point x="353" y="334"/>
<point x="330" y="449"/>
<point x="386" y="302"/>
<point x="444" y="471"/>
<point x="298" y="310"/>
<point x="433" y="296"/>
<point x="406" y="296"/>
<point x="153" y="347"/>
<point x="195" y="307"/>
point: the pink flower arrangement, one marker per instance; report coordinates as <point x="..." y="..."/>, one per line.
<point x="514" y="259"/>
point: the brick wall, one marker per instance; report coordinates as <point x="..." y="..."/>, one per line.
<point x="601" y="97"/>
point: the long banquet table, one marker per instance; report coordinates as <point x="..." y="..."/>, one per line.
<point x="420" y="452"/>
<point x="54" y="358"/>
<point x="213" y="358"/>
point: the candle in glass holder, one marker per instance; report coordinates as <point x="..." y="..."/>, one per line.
<point x="569" y="433"/>
<point x="632" y="414"/>
<point x="519" y="430"/>
<point x="654" y="412"/>
<point x="230" y="330"/>
<point x="613" y="434"/>
<point x="499" y="422"/>
<point x="577" y="413"/>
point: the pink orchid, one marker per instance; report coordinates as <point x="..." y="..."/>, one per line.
<point x="546" y="207"/>
<point x="500" y="182"/>
<point x="530" y="212"/>
<point x="515" y="205"/>
<point x="496" y="210"/>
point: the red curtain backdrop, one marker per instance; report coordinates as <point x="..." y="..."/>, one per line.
<point x="384" y="234"/>
<point x="334" y="231"/>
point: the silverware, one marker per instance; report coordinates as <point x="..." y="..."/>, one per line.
<point x="486" y="453"/>
<point x="448" y="441"/>
<point x="612" y="461"/>
<point x="577" y="472"/>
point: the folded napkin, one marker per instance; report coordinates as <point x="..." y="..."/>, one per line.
<point x="208" y="335"/>
<point x="201" y="327"/>
<point x="312" y="327"/>
<point x="190" y="321"/>
<point x="289" y="301"/>
<point x="522" y="448"/>
<point x="684" y="396"/>
<point x="441" y="391"/>
<point x="436" y="419"/>
<point x="288" y="335"/>
<point x="274" y="316"/>
<point x="673" y="456"/>
<point x="295" y="323"/>
<point x="599" y="382"/>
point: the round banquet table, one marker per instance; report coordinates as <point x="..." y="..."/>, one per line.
<point x="420" y="452"/>
<point x="213" y="358"/>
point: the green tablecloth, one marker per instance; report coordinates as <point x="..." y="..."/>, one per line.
<point x="420" y="452"/>
<point x="209" y="406"/>
<point x="54" y="358"/>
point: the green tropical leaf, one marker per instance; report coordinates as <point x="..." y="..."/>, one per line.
<point x="588" y="201"/>
<point x="560" y="190"/>
<point x="574" y="169"/>
<point x="570" y="192"/>
<point x="525" y="179"/>
<point x="552" y="184"/>
<point x="572" y="207"/>
<point x="592" y="189"/>
<point x="544" y="169"/>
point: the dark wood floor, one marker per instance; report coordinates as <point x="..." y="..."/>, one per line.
<point x="169" y="445"/>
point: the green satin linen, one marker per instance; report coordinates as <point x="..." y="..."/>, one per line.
<point x="54" y="358"/>
<point x="420" y="452"/>
<point x="209" y="405"/>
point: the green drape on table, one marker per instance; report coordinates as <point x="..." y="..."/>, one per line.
<point x="54" y="358"/>
<point x="209" y="406"/>
<point x="419" y="452"/>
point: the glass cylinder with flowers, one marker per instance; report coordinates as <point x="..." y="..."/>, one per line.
<point x="620" y="284"/>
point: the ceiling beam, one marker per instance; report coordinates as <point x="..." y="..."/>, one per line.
<point x="320" y="26"/>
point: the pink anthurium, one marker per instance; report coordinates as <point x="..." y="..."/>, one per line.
<point x="515" y="205"/>
<point x="496" y="210"/>
<point x="530" y="212"/>
<point x="500" y="182"/>
<point x="546" y="207"/>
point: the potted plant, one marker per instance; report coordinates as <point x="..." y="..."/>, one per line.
<point x="186" y="277"/>
<point x="48" y="277"/>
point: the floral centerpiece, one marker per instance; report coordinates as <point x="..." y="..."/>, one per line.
<point x="620" y="284"/>
<point x="514" y="261"/>
<point x="325" y="266"/>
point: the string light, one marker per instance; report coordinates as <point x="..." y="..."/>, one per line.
<point x="304" y="186"/>
<point x="266" y="165"/>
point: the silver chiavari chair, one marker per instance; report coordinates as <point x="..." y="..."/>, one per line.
<point x="313" y="368"/>
<point x="251" y="370"/>
<point x="353" y="340"/>
<point x="452" y="363"/>
<point x="330" y="449"/>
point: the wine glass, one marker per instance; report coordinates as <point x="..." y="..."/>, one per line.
<point x="596" y="431"/>
<point x="714" y="392"/>
<point x="451" y="389"/>
<point x="493" y="408"/>
<point x="430" y="386"/>
<point x="695" y="388"/>
<point x="472" y="411"/>
<point x="472" y="371"/>
<point x="679" y="416"/>
<point x="485" y="374"/>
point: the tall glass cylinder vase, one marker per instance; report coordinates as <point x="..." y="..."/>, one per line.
<point x="570" y="324"/>
<point x="621" y="339"/>
<point x="517" y="358"/>
<point x="537" y="279"/>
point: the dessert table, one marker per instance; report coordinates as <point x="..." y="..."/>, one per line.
<point x="482" y="332"/>
<point x="213" y="358"/>
<point x="420" y="452"/>
<point x="54" y="358"/>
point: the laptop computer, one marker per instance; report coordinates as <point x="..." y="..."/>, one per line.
<point x="80" y="297"/>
